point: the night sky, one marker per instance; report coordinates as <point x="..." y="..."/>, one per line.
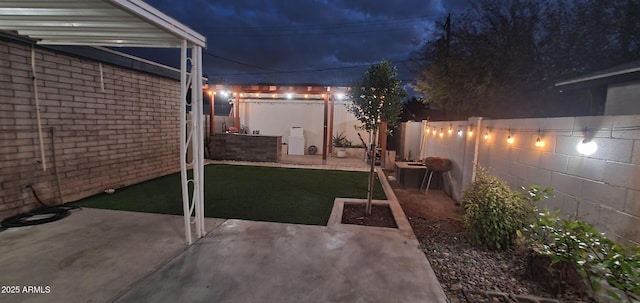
<point x="302" y="41"/>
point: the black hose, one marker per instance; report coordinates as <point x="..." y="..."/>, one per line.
<point x="42" y="215"/>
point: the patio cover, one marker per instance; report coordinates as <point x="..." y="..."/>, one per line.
<point x="130" y="23"/>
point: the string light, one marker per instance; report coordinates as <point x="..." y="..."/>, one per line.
<point x="539" y="143"/>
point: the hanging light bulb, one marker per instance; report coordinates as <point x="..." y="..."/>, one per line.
<point x="510" y="139"/>
<point x="459" y="133"/>
<point x="486" y="136"/>
<point x="434" y="131"/>
<point x="470" y="132"/>
<point x="441" y="132"/>
<point x="450" y="129"/>
<point x="539" y="143"/>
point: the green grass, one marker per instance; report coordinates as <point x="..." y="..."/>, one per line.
<point x="302" y="196"/>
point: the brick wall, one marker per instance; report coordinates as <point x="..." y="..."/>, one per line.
<point x="245" y="148"/>
<point x="602" y="188"/>
<point x="124" y="134"/>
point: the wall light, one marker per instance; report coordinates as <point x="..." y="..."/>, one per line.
<point x="470" y="132"/>
<point x="434" y="131"/>
<point x="510" y="139"/>
<point x="459" y="133"/>
<point x="486" y="136"/>
<point x="289" y="96"/>
<point x="587" y="147"/>
<point x="450" y="129"/>
<point x="441" y="132"/>
<point x="340" y="96"/>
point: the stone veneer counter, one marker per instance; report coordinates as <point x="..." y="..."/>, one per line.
<point x="240" y="147"/>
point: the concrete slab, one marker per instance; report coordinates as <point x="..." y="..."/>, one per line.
<point x="247" y="261"/>
<point x="91" y="256"/>
<point x="105" y="256"/>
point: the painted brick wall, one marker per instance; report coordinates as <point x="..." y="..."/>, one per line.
<point x="123" y="134"/>
<point x="603" y="188"/>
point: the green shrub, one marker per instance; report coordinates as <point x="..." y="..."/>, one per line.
<point x="493" y="212"/>
<point x="596" y="258"/>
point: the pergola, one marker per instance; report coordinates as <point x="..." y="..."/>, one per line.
<point x="126" y="23"/>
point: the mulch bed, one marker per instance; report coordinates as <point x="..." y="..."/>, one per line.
<point x="381" y="215"/>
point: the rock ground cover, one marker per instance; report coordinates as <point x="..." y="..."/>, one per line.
<point x="462" y="269"/>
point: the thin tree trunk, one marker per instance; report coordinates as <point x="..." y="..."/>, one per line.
<point x="372" y="158"/>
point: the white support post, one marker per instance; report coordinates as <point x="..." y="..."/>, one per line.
<point x="184" y="86"/>
<point x="191" y="137"/>
<point x="198" y="142"/>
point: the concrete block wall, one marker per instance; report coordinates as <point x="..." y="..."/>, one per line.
<point x="120" y="135"/>
<point x="603" y="188"/>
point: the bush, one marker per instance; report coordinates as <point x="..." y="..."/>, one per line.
<point x="341" y="141"/>
<point x="597" y="258"/>
<point x="493" y="212"/>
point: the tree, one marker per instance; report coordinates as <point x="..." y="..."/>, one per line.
<point x="376" y="98"/>
<point x="504" y="54"/>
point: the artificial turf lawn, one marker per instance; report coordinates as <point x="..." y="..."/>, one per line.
<point x="303" y="196"/>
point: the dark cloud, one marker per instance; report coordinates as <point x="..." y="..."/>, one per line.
<point x="319" y="35"/>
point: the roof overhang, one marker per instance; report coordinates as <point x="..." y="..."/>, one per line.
<point x="130" y="23"/>
<point x="618" y="74"/>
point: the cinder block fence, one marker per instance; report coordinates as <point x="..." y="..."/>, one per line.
<point x="603" y="187"/>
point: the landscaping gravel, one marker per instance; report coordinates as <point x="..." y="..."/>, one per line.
<point x="462" y="267"/>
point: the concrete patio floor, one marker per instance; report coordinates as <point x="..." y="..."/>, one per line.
<point x="114" y="256"/>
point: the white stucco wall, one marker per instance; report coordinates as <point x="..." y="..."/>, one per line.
<point x="623" y="99"/>
<point x="411" y="138"/>
<point x="276" y="117"/>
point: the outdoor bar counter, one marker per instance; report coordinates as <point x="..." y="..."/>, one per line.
<point x="245" y="147"/>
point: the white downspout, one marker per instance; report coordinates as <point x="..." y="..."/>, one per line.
<point x="37" y="100"/>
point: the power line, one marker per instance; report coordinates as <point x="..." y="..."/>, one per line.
<point x="239" y="62"/>
<point x="323" y="26"/>
<point x="312" y="70"/>
<point x="266" y="34"/>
